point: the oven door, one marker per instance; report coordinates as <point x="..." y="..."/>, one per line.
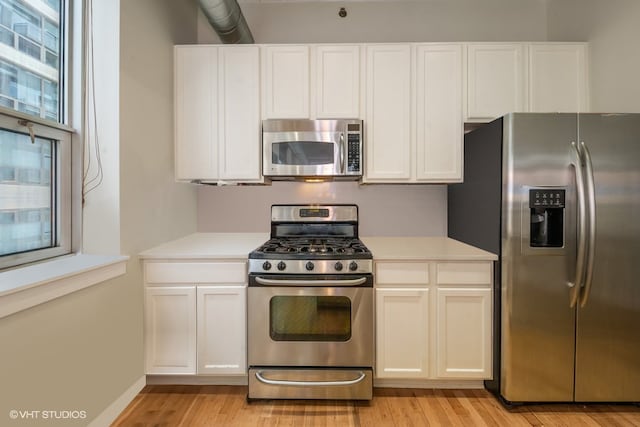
<point x="304" y="153"/>
<point x="310" y="326"/>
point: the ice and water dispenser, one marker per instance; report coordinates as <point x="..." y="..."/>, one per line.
<point x="546" y="218"/>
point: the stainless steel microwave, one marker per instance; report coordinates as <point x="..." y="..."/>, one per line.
<point x="301" y="148"/>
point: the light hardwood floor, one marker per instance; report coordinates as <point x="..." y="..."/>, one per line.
<point x="226" y="406"/>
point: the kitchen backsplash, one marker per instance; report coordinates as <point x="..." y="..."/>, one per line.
<point x="384" y="210"/>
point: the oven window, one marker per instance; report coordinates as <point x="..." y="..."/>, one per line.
<point x="310" y="318"/>
<point x="302" y="153"/>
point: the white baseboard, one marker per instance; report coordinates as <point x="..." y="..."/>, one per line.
<point x="197" y="380"/>
<point x="109" y="415"/>
<point x="436" y="384"/>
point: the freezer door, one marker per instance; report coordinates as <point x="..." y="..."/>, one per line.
<point x="608" y="331"/>
<point x="538" y="324"/>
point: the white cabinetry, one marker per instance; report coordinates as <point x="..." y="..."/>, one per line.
<point x="463" y="337"/>
<point x="388" y="113"/>
<point x="196" y="113"/>
<point x="217" y="116"/>
<point x="195" y="317"/>
<point x="413" y="136"/>
<point x="525" y="77"/>
<point x="433" y="320"/>
<point x="285" y="76"/>
<point x="438" y="123"/>
<point x="557" y="77"/>
<point x="496" y="81"/>
<point x="337" y="81"/>
<point x="221" y="322"/>
<point x="170" y="332"/>
<point x="402" y="320"/>
<point x="311" y="81"/>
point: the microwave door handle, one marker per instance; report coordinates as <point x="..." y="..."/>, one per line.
<point x="342" y="149"/>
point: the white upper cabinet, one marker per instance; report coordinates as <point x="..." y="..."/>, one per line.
<point x="388" y="113"/>
<point x="239" y="103"/>
<point x="558" y="77"/>
<point x="495" y="81"/>
<point x="217" y="113"/>
<point x="285" y="76"/>
<point x="439" y="126"/>
<point x="196" y="113"/>
<point x="337" y="81"/>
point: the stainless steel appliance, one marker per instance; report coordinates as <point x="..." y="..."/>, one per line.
<point x="298" y="149"/>
<point x="557" y="196"/>
<point x="310" y="307"/>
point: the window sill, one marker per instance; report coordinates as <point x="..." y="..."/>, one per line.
<point x="29" y="286"/>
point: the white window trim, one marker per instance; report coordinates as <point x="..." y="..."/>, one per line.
<point x="26" y="287"/>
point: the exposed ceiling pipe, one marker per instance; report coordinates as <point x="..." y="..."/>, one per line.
<point x="227" y="20"/>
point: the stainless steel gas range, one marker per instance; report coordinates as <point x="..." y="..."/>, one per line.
<point x="310" y="307"/>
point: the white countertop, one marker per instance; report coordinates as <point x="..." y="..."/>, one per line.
<point x="208" y="246"/>
<point x="424" y="248"/>
<point x="238" y="246"/>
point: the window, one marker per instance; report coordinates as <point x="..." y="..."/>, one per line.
<point x="35" y="144"/>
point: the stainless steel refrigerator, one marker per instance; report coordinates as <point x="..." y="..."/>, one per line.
<point x="557" y="197"/>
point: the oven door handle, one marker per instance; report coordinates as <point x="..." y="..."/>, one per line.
<point x="262" y="379"/>
<point x="277" y="282"/>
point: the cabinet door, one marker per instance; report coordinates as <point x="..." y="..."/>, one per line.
<point x="286" y="82"/>
<point x="439" y="124"/>
<point x="170" y="330"/>
<point x="388" y="108"/>
<point x="239" y="103"/>
<point x="463" y="338"/>
<point x="196" y="112"/>
<point x="402" y="333"/>
<point x="337" y="82"/>
<point x="557" y="74"/>
<point x="222" y="334"/>
<point x="496" y="80"/>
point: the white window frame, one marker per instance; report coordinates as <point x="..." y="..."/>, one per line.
<point x="68" y="167"/>
<point x="61" y="184"/>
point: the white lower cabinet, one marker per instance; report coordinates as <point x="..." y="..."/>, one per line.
<point x="195" y="318"/>
<point x="433" y="320"/>
<point x="402" y="333"/>
<point x="463" y="337"/>
<point x="222" y="343"/>
<point x="170" y="330"/>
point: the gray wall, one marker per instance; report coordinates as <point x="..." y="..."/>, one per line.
<point x="612" y="29"/>
<point x="84" y="350"/>
<point x="421" y="208"/>
<point x="384" y="210"/>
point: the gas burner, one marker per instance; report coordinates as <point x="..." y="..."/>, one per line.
<point x="302" y="243"/>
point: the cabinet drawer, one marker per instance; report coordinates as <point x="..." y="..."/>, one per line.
<point x="195" y="272"/>
<point x="406" y="273"/>
<point x="464" y="273"/>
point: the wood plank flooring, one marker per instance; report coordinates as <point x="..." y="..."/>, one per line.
<point x="161" y="405"/>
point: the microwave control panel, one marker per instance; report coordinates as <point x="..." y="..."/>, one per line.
<point x="353" y="152"/>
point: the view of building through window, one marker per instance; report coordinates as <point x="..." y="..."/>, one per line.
<point x="30" y="82"/>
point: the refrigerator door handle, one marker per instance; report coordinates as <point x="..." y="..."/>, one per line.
<point x="591" y="224"/>
<point x="582" y="228"/>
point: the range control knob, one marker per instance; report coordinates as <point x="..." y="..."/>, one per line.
<point x="266" y="265"/>
<point x="353" y="266"/>
<point x="338" y="266"/>
<point x="281" y="266"/>
<point x="309" y="266"/>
